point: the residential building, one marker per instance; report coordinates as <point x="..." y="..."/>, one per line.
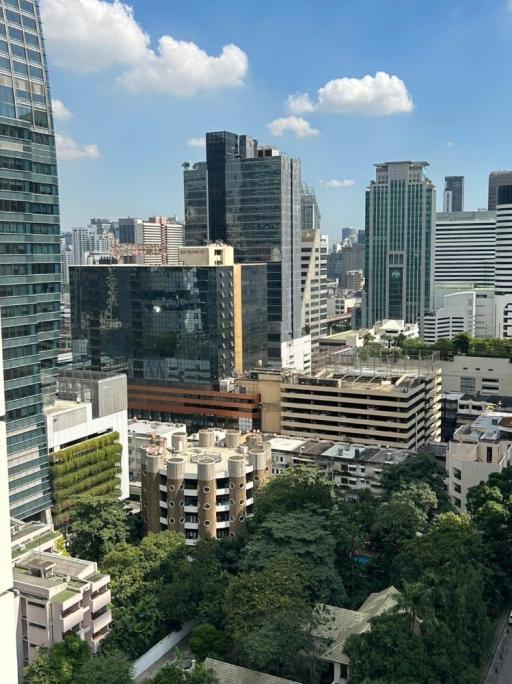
<point x="253" y="198"/>
<point x="482" y="375"/>
<point x="503" y="279"/>
<point x="455" y="317"/>
<point x="313" y="271"/>
<point x="496" y="180"/>
<point x="475" y="452"/>
<point x="463" y="409"/>
<point x="399" y="260"/>
<point x="58" y="596"/>
<point x="66" y="258"/>
<point x="195" y="192"/>
<point x="212" y="254"/>
<point x="337" y="624"/>
<point x="453" y="198"/>
<point x="87" y="429"/>
<point x="8" y="598"/>
<point x="205" y="491"/>
<point x="30" y="260"/>
<point x="226" y="673"/>
<point x="160" y="233"/>
<point x="169" y="324"/>
<point x="465" y="248"/>
<point x="140" y="434"/>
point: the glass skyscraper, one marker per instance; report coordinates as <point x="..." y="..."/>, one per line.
<point x="29" y="252"/>
<point x="453" y="200"/>
<point x="399" y="256"/>
<point x="253" y="198"/>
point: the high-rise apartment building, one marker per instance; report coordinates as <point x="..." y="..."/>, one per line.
<point x="465" y="248"/>
<point x="29" y="252"/>
<point x="503" y="278"/>
<point x="496" y="180"/>
<point x="453" y="197"/>
<point x="399" y="260"/>
<point x="252" y="196"/>
<point x="158" y="237"/>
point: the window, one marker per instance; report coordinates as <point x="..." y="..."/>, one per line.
<point x="457" y="474"/>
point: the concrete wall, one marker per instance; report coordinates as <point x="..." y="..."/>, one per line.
<point x="161" y="648"/>
<point x="491" y="376"/>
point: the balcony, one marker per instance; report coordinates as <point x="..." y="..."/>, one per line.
<point x="101" y="622"/>
<point x="100" y="601"/>
<point x="72" y="619"/>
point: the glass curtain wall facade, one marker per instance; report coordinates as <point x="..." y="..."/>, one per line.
<point x="254" y="204"/>
<point x="399" y="257"/>
<point x="179" y="325"/>
<point x="30" y="279"/>
<point x="195" y="187"/>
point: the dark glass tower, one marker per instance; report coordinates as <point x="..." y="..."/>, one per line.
<point x="29" y="252"/>
<point x="195" y="187"/>
<point x="253" y="195"/>
<point x="453" y="194"/>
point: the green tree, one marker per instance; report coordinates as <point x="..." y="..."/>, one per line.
<point x="461" y="343"/>
<point x="110" y="667"/>
<point x="421" y="467"/>
<point x="418" y="494"/>
<point x="60" y="664"/>
<point x="97" y="525"/>
<point x="398" y="520"/>
<point x="206" y="641"/>
<point x="269" y="620"/>
<point x="293" y="490"/>
<point x="305" y="535"/>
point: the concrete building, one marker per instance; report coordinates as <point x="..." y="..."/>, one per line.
<point x="212" y="254"/>
<point x="453" y="196"/>
<point x="463" y="409"/>
<point x="9" y="604"/>
<point x="313" y="286"/>
<point x="141" y="433"/>
<point x="204" y="491"/>
<point x="87" y="429"/>
<point x="481" y="375"/>
<point x="465" y="247"/>
<point x="266" y="385"/>
<point x="477" y="451"/>
<point x="503" y="279"/>
<point x="399" y="261"/>
<point x="160" y="232"/>
<point x="496" y="180"/>
<point x="296" y="354"/>
<point x="59" y="595"/>
<point x="456" y="316"/>
<point x="226" y="673"/>
<point x="484" y="314"/>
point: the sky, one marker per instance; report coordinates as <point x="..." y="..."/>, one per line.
<point x="340" y="84"/>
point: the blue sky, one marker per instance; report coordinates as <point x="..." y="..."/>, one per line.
<point x="453" y="61"/>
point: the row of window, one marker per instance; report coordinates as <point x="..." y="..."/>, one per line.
<point x="23" y="5"/>
<point x="30" y="228"/>
<point x="18" y="185"/>
<point x="34" y="289"/>
<point x="28" y="269"/>
<point x="19" y="133"/>
<point x="18" y="164"/>
<point x="21" y="248"/>
<point x="20" y="207"/>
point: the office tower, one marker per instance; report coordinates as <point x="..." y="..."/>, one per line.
<point x="313" y="270"/>
<point x="457" y="315"/>
<point x="83" y="241"/>
<point x="8" y="599"/>
<point x="453" y="198"/>
<point x="102" y="225"/>
<point x="496" y="180"/>
<point x="169" y="324"/>
<point x="399" y="260"/>
<point x="29" y="253"/>
<point x="195" y="188"/>
<point x="126" y="229"/>
<point x="465" y="246"/>
<point x="254" y="204"/>
<point x="348" y="233"/>
<point x="66" y="259"/>
<point x="503" y="279"/>
<point x="361" y="237"/>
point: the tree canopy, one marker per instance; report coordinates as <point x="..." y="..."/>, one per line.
<point x="97" y="524"/>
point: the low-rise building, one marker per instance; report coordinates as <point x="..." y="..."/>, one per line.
<point x="87" y="430"/>
<point x="462" y="409"/>
<point x="457" y="315"/>
<point x="483" y="375"/>
<point x="477" y="451"/>
<point x="205" y="491"/>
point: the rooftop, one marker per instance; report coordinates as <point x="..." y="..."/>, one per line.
<point x="233" y="674"/>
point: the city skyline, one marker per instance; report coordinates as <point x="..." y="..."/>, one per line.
<point x="410" y="111"/>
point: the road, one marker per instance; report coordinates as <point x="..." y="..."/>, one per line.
<point x="500" y="669"/>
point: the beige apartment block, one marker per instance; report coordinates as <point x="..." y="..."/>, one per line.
<point x="58" y="596"/>
<point x="205" y="491"/>
<point x="267" y="384"/>
<point x="385" y="402"/>
<point x="213" y="254"/>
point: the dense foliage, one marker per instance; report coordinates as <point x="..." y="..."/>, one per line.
<point x="463" y="344"/>
<point x="254" y="596"/>
<point x="97" y="524"/>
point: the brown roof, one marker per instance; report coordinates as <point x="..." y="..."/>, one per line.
<point x="233" y="674"/>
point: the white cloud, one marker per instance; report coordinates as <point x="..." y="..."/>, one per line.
<point x="99" y="35"/>
<point x="294" y="124"/>
<point x="182" y="68"/>
<point x="450" y="143"/>
<point x="60" y="111"/>
<point x="91" y="35"/>
<point x="377" y="95"/>
<point x="297" y="104"/>
<point x="68" y="149"/>
<point x="197" y="142"/>
<point x="340" y="183"/>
